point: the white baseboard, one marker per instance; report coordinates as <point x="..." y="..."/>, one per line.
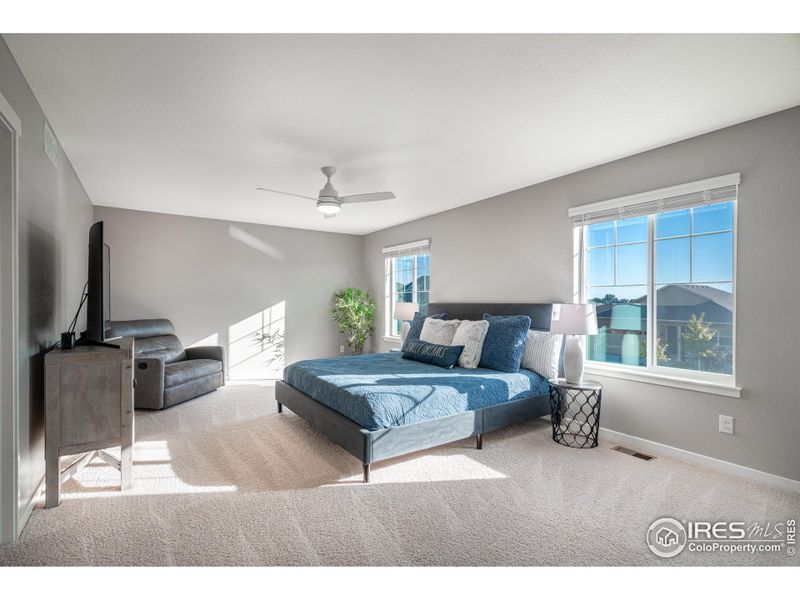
<point x="27" y="510"/>
<point x="700" y="459"/>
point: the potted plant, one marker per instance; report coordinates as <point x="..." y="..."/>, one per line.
<point x="354" y="311"/>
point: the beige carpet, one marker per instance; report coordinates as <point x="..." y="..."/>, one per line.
<point x="224" y="479"/>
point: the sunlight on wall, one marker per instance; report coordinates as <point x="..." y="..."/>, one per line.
<point x="211" y="340"/>
<point x="249" y="239"/>
<point x="256" y="345"/>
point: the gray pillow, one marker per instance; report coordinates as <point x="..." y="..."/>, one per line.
<point x="471" y="335"/>
<point x="437" y="331"/>
<point x="416" y="326"/>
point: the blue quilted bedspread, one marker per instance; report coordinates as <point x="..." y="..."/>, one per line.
<point x="385" y="390"/>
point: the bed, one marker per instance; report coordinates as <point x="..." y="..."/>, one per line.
<point x="378" y="406"/>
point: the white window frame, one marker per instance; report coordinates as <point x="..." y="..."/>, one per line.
<point x="715" y="383"/>
<point x="421" y="247"/>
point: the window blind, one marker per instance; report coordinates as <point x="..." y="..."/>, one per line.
<point x="697" y="193"/>
<point x="408" y="249"/>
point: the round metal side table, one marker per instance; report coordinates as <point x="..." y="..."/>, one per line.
<point x="575" y="412"/>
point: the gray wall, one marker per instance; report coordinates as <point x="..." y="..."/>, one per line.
<point x="54" y="219"/>
<point x="518" y="246"/>
<point x="209" y="276"/>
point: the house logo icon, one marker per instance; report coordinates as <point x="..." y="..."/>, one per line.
<point x="666" y="537"/>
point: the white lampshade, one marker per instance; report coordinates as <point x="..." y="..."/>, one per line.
<point x="574" y="319"/>
<point x="627" y="317"/>
<point x="405" y="311"/>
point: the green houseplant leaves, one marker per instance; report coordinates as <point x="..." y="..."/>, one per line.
<point x="354" y="311"/>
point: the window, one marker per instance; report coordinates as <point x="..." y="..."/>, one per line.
<point x="408" y="279"/>
<point x="659" y="268"/>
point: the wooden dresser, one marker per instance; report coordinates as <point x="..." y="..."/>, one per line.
<point x="88" y="408"/>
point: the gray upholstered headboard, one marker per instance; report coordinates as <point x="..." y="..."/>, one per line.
<point x="473" y="311"/>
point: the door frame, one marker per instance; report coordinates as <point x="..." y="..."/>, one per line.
<point x="11" y="521"/>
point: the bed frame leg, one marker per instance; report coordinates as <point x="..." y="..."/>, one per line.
<point x="280" y="407"/>
<point x="479" y="441"/>
<point x="366" y="472"/>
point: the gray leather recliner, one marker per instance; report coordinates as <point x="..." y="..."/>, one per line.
<point x="166" y="373"/>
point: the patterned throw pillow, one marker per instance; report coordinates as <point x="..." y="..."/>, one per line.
<point x="437" y="331"/>
<point x="471" y="335"/>
<point x="416" y="326"/>
<point x="433" y="354"/>
<point x="542" y="352"/>
<point x="505" y="342"/>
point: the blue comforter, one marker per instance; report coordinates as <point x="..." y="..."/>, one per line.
<point x="385" y="390"/>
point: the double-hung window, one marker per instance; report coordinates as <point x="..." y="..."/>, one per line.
<point x="408" y="279"/>
<point x="660" y="269"/>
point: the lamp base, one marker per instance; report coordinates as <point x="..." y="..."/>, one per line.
<point x="630" y="349"/>
<point x="573" y="359"/>
<point x="404" y="329"/>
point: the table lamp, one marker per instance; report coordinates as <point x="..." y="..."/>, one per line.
<point x="574" y="321"/>
<point x="404" y="312"/>
<point x="628" y="318"/>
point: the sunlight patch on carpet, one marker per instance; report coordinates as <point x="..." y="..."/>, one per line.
<point x="153" y="474"/>
<point x="457" y="467"/>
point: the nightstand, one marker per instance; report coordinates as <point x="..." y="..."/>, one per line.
<point x="575" y="412"/>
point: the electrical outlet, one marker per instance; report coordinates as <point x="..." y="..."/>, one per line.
<point x="341" y="349"/>
<point x="725" y="424"/>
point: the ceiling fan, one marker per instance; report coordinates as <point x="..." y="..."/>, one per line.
<point x="329" y="202"/>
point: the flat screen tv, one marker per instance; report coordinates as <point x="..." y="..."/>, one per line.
<point x="98" y="291"/>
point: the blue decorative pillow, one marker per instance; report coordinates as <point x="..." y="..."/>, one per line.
<point x="505" y="342"/>
<point x="416" y="327"/>
<point x="433" y="354"/>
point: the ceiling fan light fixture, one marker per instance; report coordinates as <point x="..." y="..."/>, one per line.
<point x="328" y="207"/>
<point x="329" y="202"/>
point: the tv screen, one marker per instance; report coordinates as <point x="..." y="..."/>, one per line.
<point x="98" y="292"/>
<point x="106" y="285"/>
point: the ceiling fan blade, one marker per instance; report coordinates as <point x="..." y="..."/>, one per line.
<point x="374" y="196"/>
<point x="286" y="193"/>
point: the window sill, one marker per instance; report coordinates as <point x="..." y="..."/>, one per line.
<point x="391" y="338"/>
<point x="642" y="376"/>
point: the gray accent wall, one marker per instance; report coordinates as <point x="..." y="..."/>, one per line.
<point x="54" y="219"/>
<point x="229" y="283"/>
<point x="517" y="247"/>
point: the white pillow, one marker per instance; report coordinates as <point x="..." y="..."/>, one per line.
<point x="437" y="331"/>
<point x="542" y="351"/>
<point x="471" y="335"/>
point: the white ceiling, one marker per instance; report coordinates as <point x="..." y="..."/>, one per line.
<point x="192" y="124"/>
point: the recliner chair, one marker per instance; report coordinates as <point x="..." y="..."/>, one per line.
<point x="166" y="373"/>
